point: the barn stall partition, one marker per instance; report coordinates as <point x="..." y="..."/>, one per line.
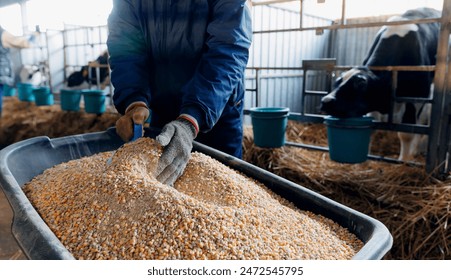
<point x="59" y="53"/>
<point x="296" y="56"/>
<point x="403" y="195"/>
<point x="82" y="45"/>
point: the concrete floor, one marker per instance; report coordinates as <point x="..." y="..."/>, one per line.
<point x="9" y="250"/>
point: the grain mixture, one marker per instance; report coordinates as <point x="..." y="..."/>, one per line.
<point x="120" y="211"/>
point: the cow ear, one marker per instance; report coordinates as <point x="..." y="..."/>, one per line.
<point x="360" y="83"/>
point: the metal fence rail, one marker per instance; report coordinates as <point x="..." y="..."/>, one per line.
<point x="439" y="130"/>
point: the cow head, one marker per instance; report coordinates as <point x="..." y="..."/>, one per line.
<point x="355" y="94"/>
<point x="75" y="79"/>
<point x="31" y="74"/>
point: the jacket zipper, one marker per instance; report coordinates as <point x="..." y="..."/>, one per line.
<point x="165" y="31"/>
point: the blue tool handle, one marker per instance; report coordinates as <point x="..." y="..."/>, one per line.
<point x="137" y="131"/>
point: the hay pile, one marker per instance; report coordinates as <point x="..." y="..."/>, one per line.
<point x="415" y="207"/>
<point x="22" y="120"/>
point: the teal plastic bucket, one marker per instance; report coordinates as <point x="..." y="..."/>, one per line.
<point x="1" y="98"/>
<point x="94" y="101"/>
<point x="70" y="99"/>
<point x="43" y="96"/>
<point x="348" y="138"/>
<point x="25" y="92"/>
<point x="269" y="125"/>
<point x="8" y="90"/>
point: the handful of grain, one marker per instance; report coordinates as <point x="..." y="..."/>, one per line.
<point x="121" y="211"/>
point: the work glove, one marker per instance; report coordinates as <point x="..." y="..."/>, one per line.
<point x="177" y="138"/>
<point x="136" y="113"/>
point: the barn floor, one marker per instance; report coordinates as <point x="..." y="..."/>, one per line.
<point x="9" y="249"/>
<point x="23" y="120"/>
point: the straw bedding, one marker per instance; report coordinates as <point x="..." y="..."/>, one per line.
<point x="22" y="120"/>
<point x="414" y="206"/>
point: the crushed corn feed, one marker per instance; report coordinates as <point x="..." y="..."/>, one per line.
<point x="120" y="211"/>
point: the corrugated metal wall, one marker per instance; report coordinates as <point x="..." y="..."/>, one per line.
<point x="350" y="46"/>
<point x="56" y="59"/>
<point x="287" y="49"/>
<point x="76" y="46"/>
<point x="84" y="44"/>
<point x="281" y="49"/>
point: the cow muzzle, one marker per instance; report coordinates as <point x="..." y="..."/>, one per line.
<point x="328" y="103"/>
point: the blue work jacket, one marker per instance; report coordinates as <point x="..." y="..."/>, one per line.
<point x="179" y="57"/>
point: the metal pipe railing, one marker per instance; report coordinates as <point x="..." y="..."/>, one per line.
<point x="342" y="22"/>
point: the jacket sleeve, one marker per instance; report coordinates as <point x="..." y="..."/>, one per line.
<point x="11" y="41"/>
<point x="128" y="56"/>
<point x="222" y="65"/>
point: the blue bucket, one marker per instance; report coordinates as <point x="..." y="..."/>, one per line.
<point x="70" y="99"/>
<point x="94" y="101"/>
<point x="269" y="125"/>
<point x="25" y="92"/>
<point x="1" y="98"/>
<point x="43" y="96"/>
<point x="348" y="138"/>
<point x="8" y="90"/>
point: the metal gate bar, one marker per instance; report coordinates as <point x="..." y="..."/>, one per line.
<point x="438" y="147"/>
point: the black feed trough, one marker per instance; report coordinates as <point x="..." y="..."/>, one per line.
<point x="22" y="161"/>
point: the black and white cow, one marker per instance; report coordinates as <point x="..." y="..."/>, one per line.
<point x="80" y="79"/>
<point x="360" y="91"/>
<point x="32" y="74"/>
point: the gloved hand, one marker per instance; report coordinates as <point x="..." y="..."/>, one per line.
<point x="136" y="113"/>
<point x="177" y="138"/>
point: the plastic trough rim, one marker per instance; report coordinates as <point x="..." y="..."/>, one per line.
<point x="34" y="222"/>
